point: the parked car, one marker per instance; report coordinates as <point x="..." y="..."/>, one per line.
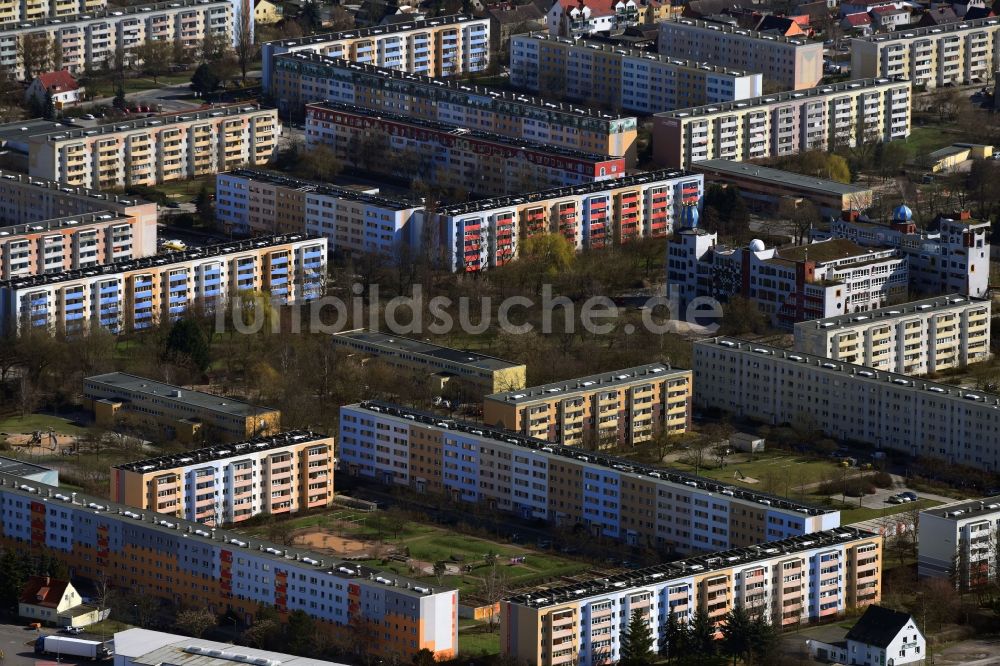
<point x="896" y="499"/>
<point x="910" y="496"/>
<point x="35" y="625"/>
<point x="89" y="116"/>
<point x="72" y="630"/>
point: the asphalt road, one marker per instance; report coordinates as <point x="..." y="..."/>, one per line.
<point x="168" y="97"/>
<point x="18" y="645"/>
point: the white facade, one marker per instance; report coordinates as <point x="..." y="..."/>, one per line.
<point x="89" y="41"/>
<point x="912" y="338"/>
<point x="636" y="80"/>
<point x="954" y="259"/>
<point x="789" y="285"/>
<point x="576" y="19"/>
<point x="795" y="63"/>
<point x="848" y="402"/>
<point x="961" y="541"/>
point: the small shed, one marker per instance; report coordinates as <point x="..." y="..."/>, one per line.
<point x="746" y="442"/>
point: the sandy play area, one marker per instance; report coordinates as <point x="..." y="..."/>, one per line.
<point x="22" y="443"/>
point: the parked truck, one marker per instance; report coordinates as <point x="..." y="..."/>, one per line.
<point x="74" y="647"/>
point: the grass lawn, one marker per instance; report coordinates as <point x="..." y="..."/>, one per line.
<point x="854" y="514"/>
<point x="775" y="472"/>
<point x="43" y="422"/>
<point x="186" y="189"/>
<point x="478" y="640"/>
<point x="927" y="139"/>
<point x="106" y="87"/>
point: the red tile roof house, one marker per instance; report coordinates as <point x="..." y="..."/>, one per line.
<point x="858" y="23"/>
<point x="64" y="88"/>
<point x="56" y="602"/>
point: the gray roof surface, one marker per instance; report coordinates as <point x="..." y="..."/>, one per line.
<point x="769" y="175"/>
<point x="200" y="399"/>
<point x="604" y="380"/>
<point x="20" y="468"/>
<point x="409" y="345"/>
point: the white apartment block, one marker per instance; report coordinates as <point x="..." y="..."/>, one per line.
<point x="89" y="40"/>
<point x="30" y="10"/>
<point x="962" y="53"/>
<point x="789" y="285"/>
<point x="793" y="581"/>
<point x="139" y="293"/>
<point x="848" y="402"/>
<point x="612" y="497"/>
<point x="961" y="541"/>
<point x="249" y="201"/>
<point x="784" y="123"/>
<point x="915" y="338"/>
<point x="618" y="76"/>
<point x="156" y="150"/>
<point x="953" y="259"/>
<point x="794" y="63"/>
<point x="440" y="46"/>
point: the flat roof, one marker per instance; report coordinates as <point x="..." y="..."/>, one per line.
<point x="965" y="509"/>
<point x="743" y="32"/>
<point x="156" y="261"/>
<point x="123" y="381"/>
<point x="450" y="85"/>
<point x="765" y="174"/>
<point x="158" y="121"/>
<point x="604" y="47"/>
<point x="153" y="648"/>
<point x="375" y="31"/>
<point x="923" y="306"/>
<point x="302" y="185"/>
<point x="604" y="380"/>
<point x="59" y="223"/>
<point x="20" y="468"/>
<point x="74" y="190"/>
<point x="112" y="12"/>
<point x="930" y="31"/>
<point x="855" y="372"/>
<point x="623" y="465"/>
<point x="788" y="96"/>
<point x="399" y="344"/>
<point x="691" y="566"/>
<point x="223" y="451"/>
<point x="641" y="178"/>
<point x="457" y="130"/>
<point x="21" y="131"/>
<point x="216" y="537"/>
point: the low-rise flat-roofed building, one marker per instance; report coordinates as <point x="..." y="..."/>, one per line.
<point x="440" y="46"/>
<point x="595" y="72"/>
<point x="250" y="201"/>
<point x="765" y="188"/>
<point x="222" y="483"/>
<point x="615" y="498"/>
<point x="482" y="234"/>
<point x="196" y="566"/>
<point x="143" y="647"/>
<point x="784" y="123"/>
<point x="449" y="155"/>
<point x="473" y="372"/>
<point x="793" y="63"/>
<point x="156" y="150"/>
<point x="300" y="78"/>
<point x="792" y="581"/>
<point x="848" y="402"/>
<point x="29" y="471"/>
<point x="915" y="338"/>
<point x="961" y="53"/>
<point x="87" y="38"/>
<point x="626" y="406"/>
<point x="135" y="294"/>
<point x="178" y="412"/>
<point x="959" y="541"/>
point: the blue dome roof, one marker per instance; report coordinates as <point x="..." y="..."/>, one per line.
<point x="689" y="217"/>
<point x="902" y="213"/>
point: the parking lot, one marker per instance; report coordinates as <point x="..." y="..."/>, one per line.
<point x="18" y="645"/>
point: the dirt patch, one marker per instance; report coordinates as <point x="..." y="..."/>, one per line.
<point x="49" y="444"/>
<point x="322" y="541"/>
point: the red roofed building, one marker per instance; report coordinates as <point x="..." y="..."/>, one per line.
<point x="64" y="88"/>
<point x="56" y="602"/>
<point x="859" y="23"/>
